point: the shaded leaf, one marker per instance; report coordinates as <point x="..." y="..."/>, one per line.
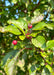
<point x="45" y="71"/>
<point x="24" y="56"/>
<point x="9" y="55"/>
<point x="52" y="3"/>
<point x="10" y="66"/>
<point x="32" y="70"/>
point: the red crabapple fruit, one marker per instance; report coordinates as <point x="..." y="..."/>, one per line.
<point x="14" y="42"/>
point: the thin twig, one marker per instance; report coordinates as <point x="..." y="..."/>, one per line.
<point x="29" y="1"/>
<point x="35" y="7"/>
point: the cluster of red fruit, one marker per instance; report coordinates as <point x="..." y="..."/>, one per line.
<point x="29" y="27"/>
<point x="14" y="42"/>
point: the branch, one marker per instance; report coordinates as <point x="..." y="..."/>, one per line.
<point x="22" y="49"/>
<point x="25" y="48"/>
<point x="29" y="1"/>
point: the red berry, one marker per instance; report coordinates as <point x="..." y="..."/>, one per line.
<point x="28" y="37"/>
<point x="28" y="34"/>
<point x="30" y="26"/>
<point x="14" y="42"/>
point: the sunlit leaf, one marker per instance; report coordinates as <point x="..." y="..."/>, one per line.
<point x="39" y="26"/>
<point x="37" y="19"/>
<point x="22" y="37"/>
<point x="39" y="41"/>
<point x="21" y="24"/>
<point x="50" y="44"/>
<point x="21" y="64"/>
<point x="14" y="1"/>
<point x="12" y="29"/>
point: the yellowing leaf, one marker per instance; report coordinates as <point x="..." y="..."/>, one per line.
<point x="22" y="37"/>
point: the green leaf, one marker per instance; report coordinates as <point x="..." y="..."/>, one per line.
<point x="9" y="55"/>
<point x="24" y="56"/>
<point x="45" y="71"/>
<point x="10" y="65"/>
<point x="21" y="64"/>
<point x="24" y="1"/>
<point x="50" y="26"/>
<point x="1" y="72"/>
<point x="32" y="70"/>
<point x="14" y="1"/>
<point x="52" y="3"/>
<point x="12" y="29"/>
<point x="39" y="26"/>
<point x="22" y="37"/>
<point x="52" y="17"/>
<point x="49" y="68"/>
<point x="34" y="34"/>
<point x="50" y="44"/>
<point x="52" y="72"/>
<point x="39" y="41"/>
<point x="20" y="23"/>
